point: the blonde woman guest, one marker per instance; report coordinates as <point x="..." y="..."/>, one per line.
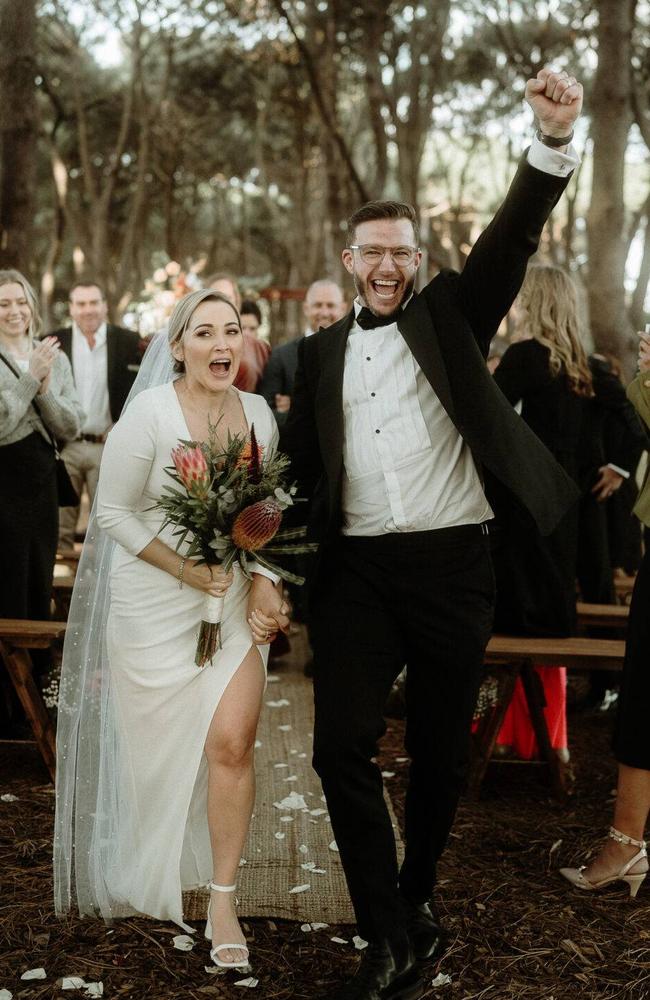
<point x="547" y="373"/>
<point x="38" y="404"/>
<point x="623" y="856"/>
<point x="168" y="804"/>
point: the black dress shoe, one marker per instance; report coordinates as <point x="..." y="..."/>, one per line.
<point x="385" y="973"/>
<point x="423" y="929"/>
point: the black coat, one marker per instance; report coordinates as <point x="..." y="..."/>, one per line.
<point x="280" y="375"/>
<point x="448" y="327"/>
<point x="122" y="360"/>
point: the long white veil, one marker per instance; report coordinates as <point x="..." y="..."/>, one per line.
<point x="87" y="788"/>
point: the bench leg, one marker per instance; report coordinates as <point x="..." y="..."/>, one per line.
<point x="19" y="668"/>
<point x="487" y="734"/>
<point x="535" y="700"/>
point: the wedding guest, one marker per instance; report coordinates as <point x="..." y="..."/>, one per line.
<point x="155" y="769"/>
<point x="623" y="857"/>
<point x="546" y="371"/>
<point x="324" y="304"/>
<point x="256" y="351"/>
<point x="38" y="405"/>
<point x="394" y="416"/>
<point x="104" y="360"/>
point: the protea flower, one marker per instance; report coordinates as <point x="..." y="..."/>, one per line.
<point x="192" y="469"/>
<point x="256" y="525"/>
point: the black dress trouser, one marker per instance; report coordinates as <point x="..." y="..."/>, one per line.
<point x="631" y="739"/>
<point x="424" y="600"/>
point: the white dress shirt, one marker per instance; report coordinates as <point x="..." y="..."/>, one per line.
<point x="90" y="369"/>
<point x="406" y="467"/>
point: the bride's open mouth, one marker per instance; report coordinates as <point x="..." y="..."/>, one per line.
<point x="221" y="366"/>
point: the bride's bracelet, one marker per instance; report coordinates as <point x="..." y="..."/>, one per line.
<point x="181" y="570"/>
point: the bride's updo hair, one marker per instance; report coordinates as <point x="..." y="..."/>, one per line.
<point x="183" y="312"/>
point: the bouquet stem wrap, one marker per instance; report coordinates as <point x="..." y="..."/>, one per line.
<point x="210" y="631"/>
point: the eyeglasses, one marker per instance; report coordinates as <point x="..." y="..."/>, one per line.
<point x="371" y="254"/>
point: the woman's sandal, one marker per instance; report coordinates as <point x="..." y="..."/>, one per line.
<point x="240" y="946"/>
<point x="634" y="880"/>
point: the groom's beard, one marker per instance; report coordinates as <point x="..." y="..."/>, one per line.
<point x="369" y="299"/>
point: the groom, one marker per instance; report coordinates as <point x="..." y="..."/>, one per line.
<point x="395" y="427"/>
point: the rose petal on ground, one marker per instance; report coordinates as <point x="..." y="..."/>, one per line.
<point x="359" y="942"/>
<point x="319" y="926"/>
<point x="317" y="812"/>
<point x="388" y="774"/>
<point x="292" y="777"/>
<point x="280" y="765"/>
<point x="333" y="847"/>
<point x="251" y="982"/>
<point x="34" y="974"/>
<point x="286" y="819"/>
<point x="303" y="849"/>
<point x="300" y="888"/>
<point x="401" y="760"/>
<point x="183" y="942"/>
<point x="5" y="995"/>
<point x="441" y="980"/>
<point x="306" y="928"/>
<point x="72" y="983"/>
<point x="258" y="744"/>
<point x="272" y="679"/>
<point x="286" y="728"/>
<point x="278" y="704"/>
<point x="338" y="940"/>
<point x="8" y="797"/>
<point x="308" y="866"/>
<point x="280" y="836"/>
<point x="94" y="990"/>
<point x="318" y="871"/>
<point x="292" y="801"/>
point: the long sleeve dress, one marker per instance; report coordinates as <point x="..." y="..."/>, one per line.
<point x="536" y="575"/>
<point x="163" y="704"/>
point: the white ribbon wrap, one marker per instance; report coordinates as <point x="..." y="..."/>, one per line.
<point x="212" y="609"/>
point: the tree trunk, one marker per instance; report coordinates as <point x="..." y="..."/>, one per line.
<point x="611" y="119"/>
<point x="18" y="131"/>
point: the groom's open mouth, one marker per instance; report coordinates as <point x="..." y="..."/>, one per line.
<point x="221" y="366"/>
<point x="386" y="290"/>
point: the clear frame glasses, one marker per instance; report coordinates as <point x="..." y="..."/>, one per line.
<point x="370" y="253"/>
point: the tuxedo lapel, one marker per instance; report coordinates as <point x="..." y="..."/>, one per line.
<point x="329" y="401"/>
<point x="417" y="329"/>
<point x="65" y="340"/>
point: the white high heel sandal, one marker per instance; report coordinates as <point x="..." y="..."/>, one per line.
<point x="634" y="881"/>
<point x="214" y="952"/>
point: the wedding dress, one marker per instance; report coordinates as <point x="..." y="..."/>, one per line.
<point x="141" y="837"/>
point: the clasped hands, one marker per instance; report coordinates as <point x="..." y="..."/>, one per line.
<point x="41" y="360"/>
<point x="267" y="610"/>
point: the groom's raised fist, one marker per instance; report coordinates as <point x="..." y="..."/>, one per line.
<point x="556" y="99"/>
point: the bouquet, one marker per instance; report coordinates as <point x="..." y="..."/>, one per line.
<point x="227" y="505"/>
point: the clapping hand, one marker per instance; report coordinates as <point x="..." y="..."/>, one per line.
<point x="41" y="361"/>
<point x="608" y="482"/>
<point x="556" y="99"/>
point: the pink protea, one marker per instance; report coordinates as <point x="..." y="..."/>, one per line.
<point x="192" y="469"/>
<point x="256" y="525"/>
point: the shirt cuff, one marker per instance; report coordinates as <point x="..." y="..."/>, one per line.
<point x="617" y="468"/>
<point x="254" y="567"/>
<point x="551" y="161"/>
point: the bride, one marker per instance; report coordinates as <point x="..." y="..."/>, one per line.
<point x="155" y="779"/>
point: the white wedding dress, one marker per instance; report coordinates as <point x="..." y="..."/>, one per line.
<point x="162" y="704"/>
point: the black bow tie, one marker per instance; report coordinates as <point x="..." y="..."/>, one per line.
<point x="368" y="321"/>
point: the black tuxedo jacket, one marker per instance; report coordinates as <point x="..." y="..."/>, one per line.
<point x="448" y="328"/>
<point x="280" y="375"/>
<point x="122" y="359"/>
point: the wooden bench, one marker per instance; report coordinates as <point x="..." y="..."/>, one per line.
<point x="68" y="558"/>
<point x="603" y="616"/>
<point x="17" y="637"/>
<point x="510" y="657"/>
